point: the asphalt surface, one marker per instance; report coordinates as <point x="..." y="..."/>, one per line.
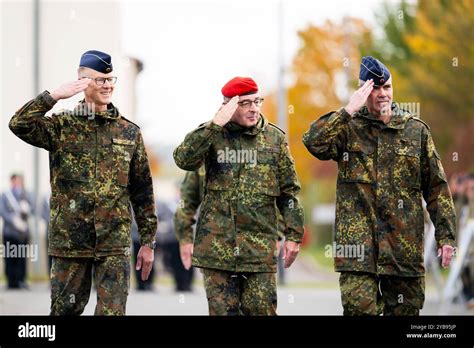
<point x="309" y="290"/>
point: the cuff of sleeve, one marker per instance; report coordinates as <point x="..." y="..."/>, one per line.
<point x="210" y="129"/>
<point x="185" y="241"/>
<point x="345" y="116"/>
<point x="214" y="127"/>
<point x="46" y="100"/>
<point x="446" y="241"/>
<point x="186" y="236"/>
<point x="147" y="240"/>
<point x="294" y="236"/>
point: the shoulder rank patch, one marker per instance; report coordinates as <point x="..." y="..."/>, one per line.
<point x="126" y="119"/>
<point x="275" y="126"/>
<point x="420" y="120"/>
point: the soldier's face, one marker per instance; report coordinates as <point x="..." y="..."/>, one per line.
<point x="99" y="95"/>
<point x="17" y="182"/>
<point x="380" y="99"/>
<point x="470" y="189"/>
<point x="247" y="116"/>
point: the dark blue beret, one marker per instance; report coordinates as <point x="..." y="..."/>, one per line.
<point x="371" y="68"/>
<point x="96" y="60"/>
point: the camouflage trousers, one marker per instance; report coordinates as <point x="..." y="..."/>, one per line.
<point x="71" y="281"/>
<point x="230" y="293"/>
<point x="370" y="294"/>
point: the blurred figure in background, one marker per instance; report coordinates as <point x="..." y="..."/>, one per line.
<point x="463" y="188"/>
<point x="191" y="194"/>
<point x="45" y="217"/>
<point x="169" y="245"/>
<point x="458" y="185"/>
<point x="147" y="284"/>
<point x="281" y="261"/>
<point x="15" y="209"/>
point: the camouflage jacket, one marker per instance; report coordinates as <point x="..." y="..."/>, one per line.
<point x="384" y="172"/>
<point x="237" y="225"/>
<point x="192" y="193"/>
<point x="98" y="166"/>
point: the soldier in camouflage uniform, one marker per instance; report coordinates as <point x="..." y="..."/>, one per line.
<point x="249" y="175"/>
<point x="192" y="194"/>
<point x="387" y="163"/>
<point x="98" y="167"/>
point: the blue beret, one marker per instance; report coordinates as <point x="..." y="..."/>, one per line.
<point x="96" y="60"/>
<point x="371" y="68"/>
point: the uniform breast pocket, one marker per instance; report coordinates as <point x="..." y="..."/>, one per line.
<point x="406" y="166"/>
<point x="122" y="150"/>
<point x="357" y="163"/>
<point x="219" y="175"/>
<point x="76" y="162"/>
<point x="265" y="171"/>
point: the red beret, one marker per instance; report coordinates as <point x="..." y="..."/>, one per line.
<point x="239" y="86"/>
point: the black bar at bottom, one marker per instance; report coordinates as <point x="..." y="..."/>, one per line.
<point x="198" y="330"/>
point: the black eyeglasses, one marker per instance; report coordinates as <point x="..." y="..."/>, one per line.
<point x="247" y="103"/>
<point x="100" y="81"/>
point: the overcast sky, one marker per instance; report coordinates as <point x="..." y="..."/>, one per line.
<point x="190" y="49"/>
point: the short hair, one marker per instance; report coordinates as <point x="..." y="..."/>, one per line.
<point x="16" y="175"/>
<point x="80" y="70"/>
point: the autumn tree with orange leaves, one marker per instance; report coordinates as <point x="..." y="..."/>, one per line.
<point x="326" y="64"/>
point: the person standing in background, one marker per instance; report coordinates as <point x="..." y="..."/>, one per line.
<point x="15" y="209"/>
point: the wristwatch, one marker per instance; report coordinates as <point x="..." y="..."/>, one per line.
<point x="151" y="245"/>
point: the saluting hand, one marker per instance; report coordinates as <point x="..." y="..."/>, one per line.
<point x="69" y="89"/>
<point x="359" y="97"/>
<point x="226" y="112"/>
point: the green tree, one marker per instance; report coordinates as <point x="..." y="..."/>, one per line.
<point x="429" y="49"/>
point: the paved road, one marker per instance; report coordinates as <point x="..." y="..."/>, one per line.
<point x="164" y="301"/>
<point x="310" y="291"/>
